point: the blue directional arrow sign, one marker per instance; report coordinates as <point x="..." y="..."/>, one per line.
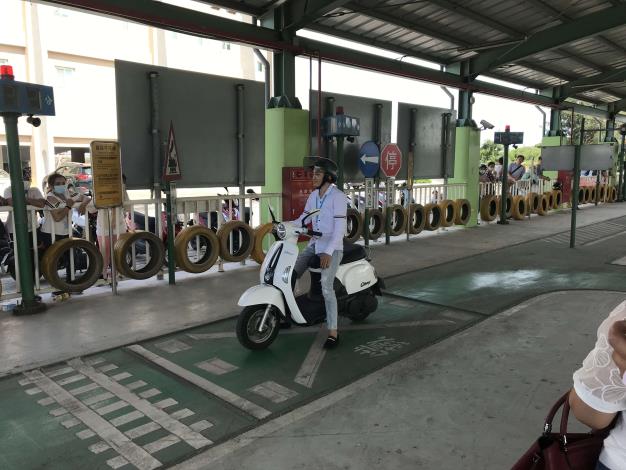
<point x="369" y="159"/>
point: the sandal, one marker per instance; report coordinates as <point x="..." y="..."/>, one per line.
<point x="331" y="342"/>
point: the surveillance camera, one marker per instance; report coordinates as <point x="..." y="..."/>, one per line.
<point x="34" y="121"/>
<point x="486" y="124"/>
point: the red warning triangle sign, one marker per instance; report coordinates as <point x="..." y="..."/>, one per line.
<point x="171" y="167"/>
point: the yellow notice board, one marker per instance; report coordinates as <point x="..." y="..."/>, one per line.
<point x="106" y="167"/>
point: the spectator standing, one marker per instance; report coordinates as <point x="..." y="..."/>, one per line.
<point x="33" y="198"/>
<point x="516" y="169"/>
<point x="498" y="168"/>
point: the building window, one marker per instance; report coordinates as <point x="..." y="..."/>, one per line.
<point x="259" y="66"/>
<point x="226" y="46"/>
<point x="64" y="76"/>
<point x="3" y="61"/>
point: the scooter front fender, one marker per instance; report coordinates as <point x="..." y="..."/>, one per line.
<point x="262" y="295"/>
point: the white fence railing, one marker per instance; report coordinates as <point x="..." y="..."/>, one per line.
<point x="209" y="211"/>
<point x="421" y="194"/>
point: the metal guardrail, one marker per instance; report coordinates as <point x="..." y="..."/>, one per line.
<point x="422" y="194"/>
<point x="138" y="215"/>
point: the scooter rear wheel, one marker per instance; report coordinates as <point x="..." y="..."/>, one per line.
<point x="248" y="327"/>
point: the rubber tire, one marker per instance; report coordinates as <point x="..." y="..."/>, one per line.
<point x="550" y="197"/>
<point x="463" y="211"/>
<point x="416" y="218"/>
<point x="435" y="211"/>
<point x="532" y="201"/>
<point x="509" y="206"/>
<point x="543" y="205"/>
<point x="602" y="193"/>
<point x="356" y="219"/>
<point x="587" y="195"/>
<point x="488" y="208"/>
<point x="363" y="315"/>
<point x="124" y="244"/>
<point x="260" y="232"/>
<point x="53" y="254"/>
<point x="592" y="195"/>
<point x="613" y="194"/>
<point x="519" y="207"/>
<point x="242" y="323"/>
<point x="181" y="243"/>
<point x="557" y="199"/>
<point x="401" y="215"/>
<point x="247" y="242"/>
<point x="379" y="224"/>
<point x="448" y="212"/>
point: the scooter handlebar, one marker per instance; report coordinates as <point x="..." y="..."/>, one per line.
<point x="314" y="233"/>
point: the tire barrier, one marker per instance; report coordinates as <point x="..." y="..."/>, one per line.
<point x="602" y="193"/>
<point x="448" y="212"/>
<point x="204" y="239"/>
<point x="557" y="199"/>
<point x="398" y="220"/>
<point x="550" y="197"/>
<point x="354" y="223"/>
<point x="55" y="258"/>
<point x="509" y="206"/>
<point x="432" y="217"/>
<point x="463" y="211"/>
<point x="488" y="208"/>
<point x="543" y="205"/>
<point x="258" y="254"/>
<point x="532" y="201"/>
<point x="519" y="207"/>
<point x="587" y="195"/>
<point x="376" y="217"/>
<point x="592" y="194"/>
<point x="416" y="219"/>
<point x="612" y="194"/>
<point x="122" y="254"/>
<point x="581" y="196"/>
<point x="243" y="240"/>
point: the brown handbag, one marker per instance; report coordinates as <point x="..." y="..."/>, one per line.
<point x="563" y="450"/>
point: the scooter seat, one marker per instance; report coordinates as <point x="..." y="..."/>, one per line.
<point x="351" y="253"/>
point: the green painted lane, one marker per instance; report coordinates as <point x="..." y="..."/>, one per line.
<point x="159" y="402"/>
<point x="492" y="282"/>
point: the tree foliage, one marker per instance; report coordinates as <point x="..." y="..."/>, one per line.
<point x="490" y="152"/>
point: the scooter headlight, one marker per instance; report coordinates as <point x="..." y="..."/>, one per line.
<point x="281" y="231"/>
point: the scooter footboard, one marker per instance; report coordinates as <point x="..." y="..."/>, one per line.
<point x="263" y="295"/>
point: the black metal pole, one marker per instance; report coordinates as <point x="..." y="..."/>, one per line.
<point x="620" y="164"/>
<point x="577" y="149"/>
<point x="505" y="184"/>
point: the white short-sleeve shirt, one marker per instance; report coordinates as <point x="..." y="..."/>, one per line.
<point x="32" y="193"/>
<point x="599" y="384"/>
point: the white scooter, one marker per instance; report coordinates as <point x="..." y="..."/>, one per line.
<point x="273" y="303"/>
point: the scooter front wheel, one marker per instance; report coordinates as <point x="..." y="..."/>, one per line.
<point x="248" y="325"/>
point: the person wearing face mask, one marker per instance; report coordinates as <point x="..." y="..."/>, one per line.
<point x="57" y="222"/>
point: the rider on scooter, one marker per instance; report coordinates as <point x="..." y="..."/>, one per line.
<point x="331" y="222"/>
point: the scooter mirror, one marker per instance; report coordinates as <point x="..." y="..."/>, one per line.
<point x="272" y="213"/>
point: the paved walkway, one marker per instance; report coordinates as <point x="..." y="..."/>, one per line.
<point x="92" y="323"/>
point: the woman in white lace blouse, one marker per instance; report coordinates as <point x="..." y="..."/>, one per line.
<point x="599" y="391"/>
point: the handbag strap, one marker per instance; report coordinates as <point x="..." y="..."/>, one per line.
<point x="547" y="428"/>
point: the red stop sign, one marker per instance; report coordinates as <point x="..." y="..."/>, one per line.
<point x="391" y="160"/>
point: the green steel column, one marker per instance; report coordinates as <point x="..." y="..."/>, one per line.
<point x="621" y="187"/>
<point x="572" y="236"/>
<point x="466" y="165"/>
<point x="20" y="229"/>
<point x="555" y="113"/>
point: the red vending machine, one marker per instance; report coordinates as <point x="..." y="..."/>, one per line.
<point x="297" y="185"/>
